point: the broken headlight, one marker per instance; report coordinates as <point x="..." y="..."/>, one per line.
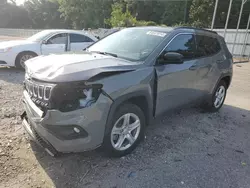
<point x="71" y="98"/>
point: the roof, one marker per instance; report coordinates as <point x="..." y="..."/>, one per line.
<point x="195" y="29"/>
<point x="169" y="29"/>
<point x="156" y="28"/>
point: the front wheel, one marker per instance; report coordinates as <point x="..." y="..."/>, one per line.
<point x="22" y="57"/>
<point x="126" y="130"/>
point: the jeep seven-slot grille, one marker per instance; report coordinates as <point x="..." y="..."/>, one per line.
<point x="39" y="91"/>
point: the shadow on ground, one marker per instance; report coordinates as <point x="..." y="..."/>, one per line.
<point x="185" y="147"/>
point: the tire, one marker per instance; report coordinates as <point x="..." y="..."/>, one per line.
<point x="132" y="138"/>
<point x="22" y="57"/>
<point x="214" y="106"/>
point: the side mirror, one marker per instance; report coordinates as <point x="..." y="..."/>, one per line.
<point x="44" y="42"/>
<point x="171" y="58"/>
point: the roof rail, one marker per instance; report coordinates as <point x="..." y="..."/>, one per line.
<point x="185" y="27"/>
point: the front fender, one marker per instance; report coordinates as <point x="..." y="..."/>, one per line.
<point x="125" y="86"/>
<point x="35" y="48"/>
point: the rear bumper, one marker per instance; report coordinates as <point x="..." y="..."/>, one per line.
<point x="57" y="129"/>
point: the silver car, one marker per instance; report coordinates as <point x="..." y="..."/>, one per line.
<point x="107" y="94"/>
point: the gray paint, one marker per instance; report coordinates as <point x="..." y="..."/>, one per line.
<point x="173" y="85"/>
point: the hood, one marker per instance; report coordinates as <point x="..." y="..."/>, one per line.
<point x="75" y="67"/>
<point x="13" y="43"/>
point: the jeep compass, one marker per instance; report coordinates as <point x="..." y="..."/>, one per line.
<point x="107" y="94"/>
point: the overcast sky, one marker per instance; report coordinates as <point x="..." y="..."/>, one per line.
<point x="19" y="2"/>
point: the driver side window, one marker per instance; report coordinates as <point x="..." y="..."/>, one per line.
<point x="183" y="44"/>
<point x="58" y="39"/>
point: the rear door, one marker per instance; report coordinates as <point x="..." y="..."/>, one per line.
<point x="79" y="42"/>
<point x="55" y="44"/>
<point x="209" y="55"/>
<point x="176" y="82"/>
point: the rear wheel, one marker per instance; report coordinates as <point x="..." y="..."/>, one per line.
<point x="22" y="57"/>
<point x="218" y="97"/>
<point x="126" y="130"/>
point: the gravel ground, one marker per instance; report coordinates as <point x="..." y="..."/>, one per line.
<point x="187" y="148"/>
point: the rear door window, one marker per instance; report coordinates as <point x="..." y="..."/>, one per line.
<point x="207" y="46"/>
<point x="77" y="38"/>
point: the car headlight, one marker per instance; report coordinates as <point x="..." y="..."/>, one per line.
<point x="72" y="98"/>
<point x="3" y="50"/>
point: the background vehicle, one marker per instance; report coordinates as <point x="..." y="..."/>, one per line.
<point x="15" y="53"/>
<point x="108" y="94"/>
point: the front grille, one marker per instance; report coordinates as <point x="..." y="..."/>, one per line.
<point x="38" y="90"/>
<point x="40" y="93"/>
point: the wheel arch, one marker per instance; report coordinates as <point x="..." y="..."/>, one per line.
<point x="226" y="77"/>
<point x="23" y="52"/>
<point x="227" y="80"/>
<point x="141" y="98"/>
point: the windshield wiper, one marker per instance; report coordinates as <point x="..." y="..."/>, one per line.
<point x="105" y="53"/>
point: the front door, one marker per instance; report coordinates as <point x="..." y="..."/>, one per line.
<point x="56" y="44"/>
<point x="176" y="82"/>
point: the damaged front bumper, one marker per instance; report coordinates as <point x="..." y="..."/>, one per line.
<point x="74" y="131"/>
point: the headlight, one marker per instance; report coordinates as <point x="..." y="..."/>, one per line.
<point x="72" y="98"/>
<point x="3" y="50"/>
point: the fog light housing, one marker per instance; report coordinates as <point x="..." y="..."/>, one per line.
<point x="67" y="132"/>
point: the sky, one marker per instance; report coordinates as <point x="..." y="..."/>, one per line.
<point x="19" y="2"/>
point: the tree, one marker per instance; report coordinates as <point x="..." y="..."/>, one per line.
<point x="85" y="13"/>
<point x="201" y="13"/>
<point x="44" y="14"/>
<point x="12" y="16"/>
<point x="169" y="12"/>
<point x="119" y="18"/>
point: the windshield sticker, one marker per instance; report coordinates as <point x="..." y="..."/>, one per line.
<point x="155" y="33"/>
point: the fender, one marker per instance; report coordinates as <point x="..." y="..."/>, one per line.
<point x="220" y="78"/>
<point x="127" y="97"/>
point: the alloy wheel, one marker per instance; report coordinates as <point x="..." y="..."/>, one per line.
<point x="125" y="131"/>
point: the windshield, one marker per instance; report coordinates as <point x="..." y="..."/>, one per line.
<point x="134" y="44"/>
<point x="39" y="36"/>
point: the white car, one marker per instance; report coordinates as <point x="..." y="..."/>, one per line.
<point x="15" y="53"/>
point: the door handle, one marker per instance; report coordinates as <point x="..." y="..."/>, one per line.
<point x="219" y="61"/>
<point x="193" y="67"/>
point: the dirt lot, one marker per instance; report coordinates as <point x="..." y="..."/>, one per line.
<point x="187" y="148"/>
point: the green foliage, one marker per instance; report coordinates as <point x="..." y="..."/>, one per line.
<point x="174" y="13"/>
<point x="79" y="14"/>
<point x="44" y="14"/>
<point x="119" y="18"/>
<point x="85" y="13"/>
<point x="201" y="13"/>
<point x="145" y="23"/>
<point x="12" y="16"/>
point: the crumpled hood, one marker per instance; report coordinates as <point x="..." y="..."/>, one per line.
<point x="8" y="44"/>
<point x="75" y="66"/>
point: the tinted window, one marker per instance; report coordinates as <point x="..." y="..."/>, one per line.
<point x="207" y="46"/>
<point x="58" y="39"/>
<point x="183" y="44"/>
<point x="76" y="38"/>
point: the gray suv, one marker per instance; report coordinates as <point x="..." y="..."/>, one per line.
<point x="107" y="94"/>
